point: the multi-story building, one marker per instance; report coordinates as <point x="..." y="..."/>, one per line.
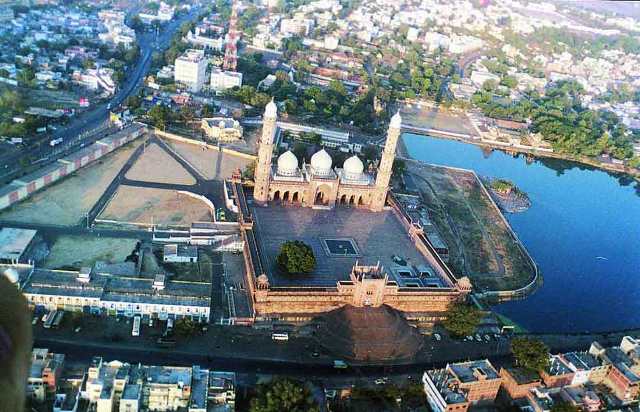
<point x="460" y="385"/>
<point x="46" y="368"/>
<point x="586" y="367"/>
<point x="222" y="80"/>
<point x="558" y="373"/>
<point x="190" y="69"/>
<point x="518" y="382"/>
<point x="169" y="387"/>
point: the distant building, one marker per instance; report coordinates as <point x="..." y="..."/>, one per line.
<point x="190" y="69"/>
<point x="222" y="80"/>
<point x="180" y="254"/>
<point x="44" y="375"/>
<point x="518" y="382"/>
<point x="222" y="129"/>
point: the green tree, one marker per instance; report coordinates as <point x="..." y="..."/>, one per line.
<point x="159" y="116"/>
<point x="531" y="354"/>
<point x="283" y="395"/>
<point x="563" y="406"/>
<point x="296" y="257"/>
<point x="399" y="167"/>
<point x="26" y="76"/>
<point x="185" y="327"/>
<point x="249" y="170"/>
<point x="462" y="319"/>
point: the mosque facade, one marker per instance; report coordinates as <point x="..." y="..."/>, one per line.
<point x="318" y="183"/>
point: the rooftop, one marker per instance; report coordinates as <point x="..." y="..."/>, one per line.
<point x="14" y="242"/>
<point x="473" y="371"/>
<point x="339" y="237"/>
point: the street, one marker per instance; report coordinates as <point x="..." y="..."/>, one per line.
<point x="93" y="124"/>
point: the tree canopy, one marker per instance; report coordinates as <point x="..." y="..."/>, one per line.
<point x="296" y="257"/>
<point x="530" y="354"/>
<point x="462" y="319"/>
<point x="283" y="395"/>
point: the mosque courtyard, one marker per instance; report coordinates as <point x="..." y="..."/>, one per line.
<point x="339" y="237"/>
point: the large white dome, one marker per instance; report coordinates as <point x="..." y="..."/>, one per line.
<point x="287" y="164"/>
<point x="321" y="163"/>
<point x="12" y="275"/>
<point x="353" y="167"/>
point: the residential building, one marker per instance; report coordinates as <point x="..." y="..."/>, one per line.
<point x="460" y="385"/>
<point x="190" y="69"/>
<point x="518" y="382"/>
<point x="222" y="80"/>
<point x="222" y="129"/>
<point x="557" y="374"/>
<point x="46" y="368"/>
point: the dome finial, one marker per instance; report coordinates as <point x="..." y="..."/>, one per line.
<point x="271" y="110"/>
<point x="396" y="121"/>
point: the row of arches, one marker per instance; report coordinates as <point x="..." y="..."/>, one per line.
<point x="287" y="196"/>
<point x="352" y="200"/>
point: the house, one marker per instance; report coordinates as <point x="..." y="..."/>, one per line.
<point x="223" y="129"/>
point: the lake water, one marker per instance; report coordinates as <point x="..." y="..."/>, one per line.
<point x="583" y="230"/>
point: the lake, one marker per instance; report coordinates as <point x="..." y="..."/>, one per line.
<point x="583" y="231"/>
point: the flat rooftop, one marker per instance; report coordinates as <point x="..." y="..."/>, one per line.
<point x="14" y="242"/>
<point x="376" y="237"/>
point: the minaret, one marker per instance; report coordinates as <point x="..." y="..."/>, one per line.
<point x="386" y="164"/>
<point x="265" y="153"/>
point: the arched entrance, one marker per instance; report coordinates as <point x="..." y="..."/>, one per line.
<point x="343" y="199"/>
<point x="352" y="200"/>
<point x="295" y="198"/>
<point x="322" y="195"/>
<point x="360" y="201"/>
<point x="276" y="196"/>
<point x="285" y="197"/>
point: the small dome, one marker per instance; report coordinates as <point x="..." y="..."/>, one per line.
<point x="287" y="164"/>
<point x="396" y="121"/>
<point x="271" y="110"/>
<point x="12" y="275"/>
<point x="353" y="167"/>
<point x="321" y="163"/>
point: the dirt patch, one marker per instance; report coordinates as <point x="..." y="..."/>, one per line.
<point x="209" y="162"/>
<point x="68" y="200"/>
<point x="437" y="118"/>
<point x="155" y="206"/>
<point x="77" y="251"/>
<point x="156" y="165"/>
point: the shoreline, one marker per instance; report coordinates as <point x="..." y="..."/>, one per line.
<point x="583" y="161"/>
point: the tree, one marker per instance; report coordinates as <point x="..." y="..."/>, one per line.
<point x="159" y="116"/>
<point x="563" y="406"/>
<point x="136" y="24"/>
<point x="283" y="395"/>
<point x="530" y="354"/>
<point x="26" y="76"/>
<point x="185" y="327"/>
<point x="249" y="170"/>
<point x="296" y="257"/>
<point x="399" y="167"/>
<point x="462" y="319"/>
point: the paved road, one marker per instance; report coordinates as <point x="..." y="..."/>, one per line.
<point x="81" y="130"/>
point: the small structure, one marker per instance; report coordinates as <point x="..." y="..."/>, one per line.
<point x="14" y="244"/>
<point x="180" y="254"/>
<point x="223" y="129"/>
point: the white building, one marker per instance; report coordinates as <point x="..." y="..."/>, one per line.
<point x="190" y="69"/>
<point x="180" y="253"/>
<point x="222" y="129"/>
<point x="223" y="80"/>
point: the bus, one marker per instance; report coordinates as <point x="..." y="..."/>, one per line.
<point x="58" y="319"/>
<point x="48" y="321"/>
<point x="136" y="326"/>
<point x="280" y="336"/>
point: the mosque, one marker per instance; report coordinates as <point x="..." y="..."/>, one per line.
<point x="318" y="184"/>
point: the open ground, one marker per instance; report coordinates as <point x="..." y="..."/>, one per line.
<point x="209" y="162"/>
<point x="78" y="251"/>
<point x="437" y="118"/>
<point x="145" y="205"/>
<point x="480" y="243"/>
<point x="156" y="165"/>
<point x="67" y="201"/>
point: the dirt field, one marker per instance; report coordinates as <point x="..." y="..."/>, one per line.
<point x="434" y="118"/>
<point x="68" y="200"/>
<point x="78" y="251"/>
<point x="156" y="165"/>
<point x="210" y="163"/>
<point x="480" y="245"/>
<point x="157" y="206"/>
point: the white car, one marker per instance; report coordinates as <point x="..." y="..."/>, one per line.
<point x="437" y="336"/>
